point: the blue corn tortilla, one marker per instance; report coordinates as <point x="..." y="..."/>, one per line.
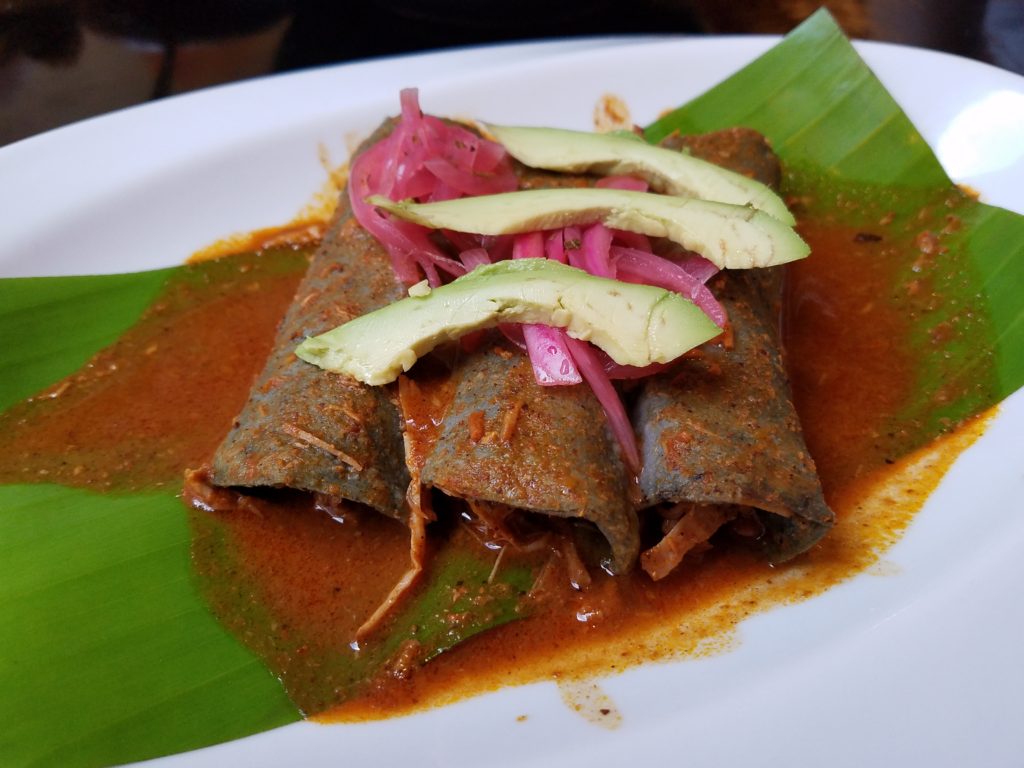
<point x="721" y="428"/>
<point x="559" y="457"/>
<point x="309" y="431"/>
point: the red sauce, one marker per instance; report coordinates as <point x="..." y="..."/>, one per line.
<point x="849" y="369"/>
<point x="304" y="232"/>
<point x="293" y="583"/>
<point x="161" y="398"/>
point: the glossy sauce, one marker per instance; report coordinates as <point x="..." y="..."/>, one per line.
<point x="293" y="582"/>
<point x="161" y="398"/>
<point x="873" y="477"/>
<point x="865" y="395"/>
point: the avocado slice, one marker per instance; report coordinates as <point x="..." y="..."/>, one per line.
<point x="635" y="324"/>
<point x="730" y="236"/>
<point x="666" y="170"/>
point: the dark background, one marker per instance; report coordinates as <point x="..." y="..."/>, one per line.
<point x="63" y="60"/>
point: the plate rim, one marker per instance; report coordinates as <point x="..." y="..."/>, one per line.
<point x="256" y="745"/>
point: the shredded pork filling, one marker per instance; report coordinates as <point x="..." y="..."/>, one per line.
<point x="696" y="524"/>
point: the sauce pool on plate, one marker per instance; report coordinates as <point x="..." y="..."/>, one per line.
<point x="294" y="580"/>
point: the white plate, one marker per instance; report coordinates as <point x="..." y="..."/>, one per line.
<point x="917" y="667"/>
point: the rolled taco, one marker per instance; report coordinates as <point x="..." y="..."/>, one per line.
<point x="500" y="440"/>
<point x="325" y="434"/>
<point x="507" y="440"/>
<point x="719" y="435"/>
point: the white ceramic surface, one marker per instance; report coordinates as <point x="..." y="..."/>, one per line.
<point x="918" y="667"/>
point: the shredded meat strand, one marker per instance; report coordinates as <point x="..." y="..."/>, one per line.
<point x="323" y="445"/>
<point x="692" y="529"/>
<point x="344" y="409"/>
<point x="579" y="576"/>
<point x="417" y="554"/>
<point x="497" y="563"/>
<point x="540" y="584"/>
<point x="420" y="513"/>
<point x="351" y="414"/>
<point x="510" y="420"/>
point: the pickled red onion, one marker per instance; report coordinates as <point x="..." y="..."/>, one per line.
<point x="633" y="266"/>
<point x="547" y="347"/>
<point x="699" y="267"/>
<point x="633" y="240"/>
<point x="468" y="182"/>
<point x="593" y="372"/>
<point x="554" y="247"/>
<point x="553" y="363"/>
<point x="474" y="257"/>
<point x="423" y="158"/>
<point x="528" y="246"/>
<point x="597" y="241"/>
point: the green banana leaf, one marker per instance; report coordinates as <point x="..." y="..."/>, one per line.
<point x="107" y="653"/>
<point x="838" y="131"/>
<point x="103" y="630"/>
<point x="50" y="328"/>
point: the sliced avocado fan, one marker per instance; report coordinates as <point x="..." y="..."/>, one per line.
<point x="666" y="170"/>
<point x="635" y="324"/>
<point x="730" y="236"/>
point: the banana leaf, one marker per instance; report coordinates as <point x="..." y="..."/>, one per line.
<point x="107" y="652"/>
<point x="39" y="343"/>
<point x="842" y="136"/>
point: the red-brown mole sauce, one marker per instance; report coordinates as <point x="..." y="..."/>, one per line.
<point x="294" y="581"/>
